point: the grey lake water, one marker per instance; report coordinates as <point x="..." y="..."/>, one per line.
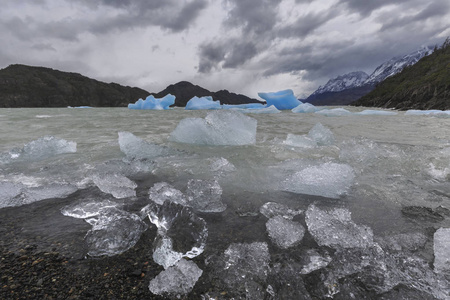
<point x="261" y="206"/>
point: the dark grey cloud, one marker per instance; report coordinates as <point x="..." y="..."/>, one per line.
<point x="210" y="55"/>
<point x="306" y="24"/>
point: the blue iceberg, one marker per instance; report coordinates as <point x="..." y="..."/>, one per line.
<point x="281" y="100"/>
<point x="206" y="102"/>
<point x="153" y="103"/>
<point x="305" y="108"/>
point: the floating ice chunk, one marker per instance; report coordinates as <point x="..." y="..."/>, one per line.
<point x="87" y="209"/>
<point x="327" y="180"/>
<point x="177" y="280"/>
<point x="136" y="148"/>
<point x="335" y="112"/>
<point x="316" y="262"/>
<point x="206" y="102"/>
<point x="335" y="228"/>
<point x="114" y="231"/>
<point x="54" y="190"/>
<point x="8" y="192"/>
<point x="281" y="100"/>
<point x="224" y="127"/>
<point x="376" y="112"/>
<point x="153" y="103"/>
<point x="40" y="149"/>
<point x="205" y="195"/>
<point x="221" y="165"/>
<point x="273" y="209"/>
<point x="180" y="232"/>
<point x="442" y="250"/>
<point x="305" y="108"/>
<point x="322" y="135"/>
<point x="162" y="191"/>
<point x="266" y="110"/>
<point x="301" y="141"/>
<point x="423" y="112"/>
<point x="284" y="233"/>
<point x="115" y="184"/>
<point x="244" y="106"/>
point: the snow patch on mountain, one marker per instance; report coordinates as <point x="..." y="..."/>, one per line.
<point x="343" y="82"/>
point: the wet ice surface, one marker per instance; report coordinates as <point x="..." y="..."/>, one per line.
<point x="369" y="192"/>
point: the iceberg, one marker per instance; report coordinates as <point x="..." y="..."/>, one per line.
<point x="223" y="127"/>
<point x="114" y="231"/>
<point x="335" y="112"/>
<point x="115" y="184"/>
<point x="327" y="180"/>
<point x="153" y="103"/>
<point x="321" y="135"/>
<point x="336" y="229"/>
<point x="265" y="110"/>
<point x="284" y="233"/>
<point x="376" y="112"/>
<point x="442" y="250"/>
<point x="244" y="106"/>
<point x="305" y="108"/>
<point x="176" y="280"/>
<point x="281" y="100"/>
<point x="206" y="102"/>
<point x="414" y="112"/>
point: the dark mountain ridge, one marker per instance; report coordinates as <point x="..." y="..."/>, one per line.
<point x="424" y="85"/>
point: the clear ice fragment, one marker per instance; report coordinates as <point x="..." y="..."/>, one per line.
<point x="163" y="191"/>
<point x="205" y="195"/>
<point x="273" y="209"/>
<point x="284" y="233"/>
<point x="115" y="184"/>
<point x="321" y="135"/>
<point x="136" y="148"/>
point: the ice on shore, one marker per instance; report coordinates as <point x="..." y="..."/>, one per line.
<point x="153" y="103"/>
<point x="136" y="148"/>
<point x="181" y="233"/>
<point x="115" y="184"/>
<point x="283" y="232"/>
<point x="40" y="149"/>
<point x="335" y="228"/>
<point x="334" y="112"/>
<point x="206" y="102"/>
<point x="327" y="180"/>
<point x="281" y="100"/>
<point x="321" y="135"/>
<point x="114" y="231"/>
<point x="222" y="127"/>
<point x="87" y="209"/>
<point x="163" y="191"/>
<point x="205" y="195"/>
<point x="305" y="108"/>
<point x="176" y="280"/>
<point x="442" y="250"/>
<point x="273" y="209"/>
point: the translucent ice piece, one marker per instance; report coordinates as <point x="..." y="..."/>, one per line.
<point x="162" y="191"/>
<point x="8" y="191"/>
<point x="442" y="250"/>
<point x="136" y="148"/>
<point x="55" y="190"/>
<point x="222" y="127"/>
<point x="316" y="262"/>
<point x="335" y="228"/>
<point x="176" y="280"/>
<point x="114" y="231"/>
<point x="205" y="195"/>
<point x="163" y="253"/>
<point x="87" y="209"/>
<point x="321" y="135"/>
<point x="300" y="141"/>
<point x="221" y="165"/>
<point x="273" y="209"/>
<point x="115" y="184"/>
<point x="305" y="108"/>
<point x="284" y="233"/>
<point x="328" y="180"/>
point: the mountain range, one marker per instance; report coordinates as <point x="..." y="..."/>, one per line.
<point x="423" y="85"/>
<point x="29" y="86"/>
<point x="349" y="87"/>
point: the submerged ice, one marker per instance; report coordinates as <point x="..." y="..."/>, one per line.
<point x="223" y="127"/>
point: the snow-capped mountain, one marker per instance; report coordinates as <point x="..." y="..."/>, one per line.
<point x="396" y="65"/>
<point x="343" y="82"/>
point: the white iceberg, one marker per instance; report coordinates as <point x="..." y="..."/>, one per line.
<point x="176" y="280"/>
<point x="154" y="103"/>
<point x="336" y="229"/>
<point x="376" y="112"/>
<point x="206" y="102"/>
<point x="281" y="100"/>
<point x="330" y="180"/>
<point x="305" y="108"/>
<point x="252" y="106"/>
<point x="223" y="127"/>
<point x="335" y="112"/>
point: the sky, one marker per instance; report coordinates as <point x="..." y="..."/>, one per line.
<point x="244" y="46"/>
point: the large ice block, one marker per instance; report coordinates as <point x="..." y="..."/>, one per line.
<point x="335" y="228"/>
<point x="224" y="127"/>
<point x="281" y="100"/>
